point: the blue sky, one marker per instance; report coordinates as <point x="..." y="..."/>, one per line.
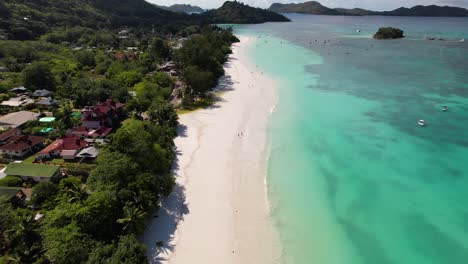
<point x="369" y="4"/>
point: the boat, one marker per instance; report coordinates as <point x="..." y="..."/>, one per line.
<point x="421" y="122"/>
<point x="462" y="40"/>
<point x="445" y="108"/>
<point x="358" y="30"/>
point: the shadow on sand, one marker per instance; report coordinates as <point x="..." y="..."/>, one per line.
<point x="161" y="227"/>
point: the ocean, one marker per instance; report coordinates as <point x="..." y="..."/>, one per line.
<point x="352" y="177"/>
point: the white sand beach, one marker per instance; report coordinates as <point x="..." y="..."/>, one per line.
<point x="218" y="212"/>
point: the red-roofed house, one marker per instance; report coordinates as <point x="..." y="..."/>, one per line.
<point x="21" y="145"/>
<point x="4" y="137"/>
<point x="66" y="147"/>
<point x="97" y="120"/>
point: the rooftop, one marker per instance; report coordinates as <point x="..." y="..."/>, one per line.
<point x="18" y="118"/>
<point x="18" y="101"/>
<point x="6" y="135"/>
<point x="90" y="152"/>
<point x="8" y="192"/>
<point x="31" y="170"/>
<point x="20" y="143"/>
<point x="49" y="101"/>
<point x="41" y="93"/>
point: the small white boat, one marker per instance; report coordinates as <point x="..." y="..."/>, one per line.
<point x="421" y="122"/>
<point x="462" y="40"/>
<point x="445" y="108"/>
<point x="358" y="30"/>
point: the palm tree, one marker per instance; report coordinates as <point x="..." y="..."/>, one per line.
<point x="77" y="193"/>
<point x="133" y="219"/>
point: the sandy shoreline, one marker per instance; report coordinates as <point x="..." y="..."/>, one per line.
<point x="218" y="212"/>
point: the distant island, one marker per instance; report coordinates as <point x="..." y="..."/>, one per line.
<point x="389" y="33"/>
<point x="315" y="8"/>
<point x="239" y="13"/>
<point x="183" y="8"/>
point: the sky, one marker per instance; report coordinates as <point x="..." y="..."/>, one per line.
<point x="377" y="5"/>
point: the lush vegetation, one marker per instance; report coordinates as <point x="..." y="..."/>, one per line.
<point x="202" y="59"/>
<point x="30" y="19"/>
<point x="389" y="33"/>
<point x="183" y="8"/>
<point x="239" y="13"/>
<point x="85" y="52"/>
<point x="311" y="7"/>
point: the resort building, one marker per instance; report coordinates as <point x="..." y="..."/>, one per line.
<point x="20" y="146"/>
<point x="33" y="172"/>
<point x="17" y="119"/>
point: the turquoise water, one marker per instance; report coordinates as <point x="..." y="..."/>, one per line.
<point x="352" y="177"/>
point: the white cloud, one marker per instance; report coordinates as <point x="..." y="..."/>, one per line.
<point x="369" y="4"/>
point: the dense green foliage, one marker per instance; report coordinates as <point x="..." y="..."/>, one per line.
<point x="310" y="7"/>
<point x="183" y="8"/>
<point x="234" y="12"/>
<point x="389" y="33"/>
<point x="76" y="50"/>
<point x="11" y="181"/>
<point x="202" y="58"/>
<point x="30" y="19"/>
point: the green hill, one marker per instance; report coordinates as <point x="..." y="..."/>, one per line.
<point x="315" y="8"/>
<point x="181" y="8"/>
<point x="311" y="7"/>
<point x="233" y="12"/>
<point x="28" y="19"/>
<point x="432" y="10"/>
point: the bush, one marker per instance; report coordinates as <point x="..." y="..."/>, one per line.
<point x="11" y="181"/>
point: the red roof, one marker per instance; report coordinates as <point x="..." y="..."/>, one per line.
<point x="20" y="143"/>
<point x="12" y="132"/>
<point x="72" y="143"/>
<point x="65" y="143"/>
<point x="107" y="106"/>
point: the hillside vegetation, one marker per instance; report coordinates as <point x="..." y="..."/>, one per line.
<point x="239" y="13"/>
<point x="315" y="8"/>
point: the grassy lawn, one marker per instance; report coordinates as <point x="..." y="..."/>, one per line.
<point x="57" y="161"/>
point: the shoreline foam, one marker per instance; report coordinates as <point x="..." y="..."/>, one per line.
<point x="218" y="211"/>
